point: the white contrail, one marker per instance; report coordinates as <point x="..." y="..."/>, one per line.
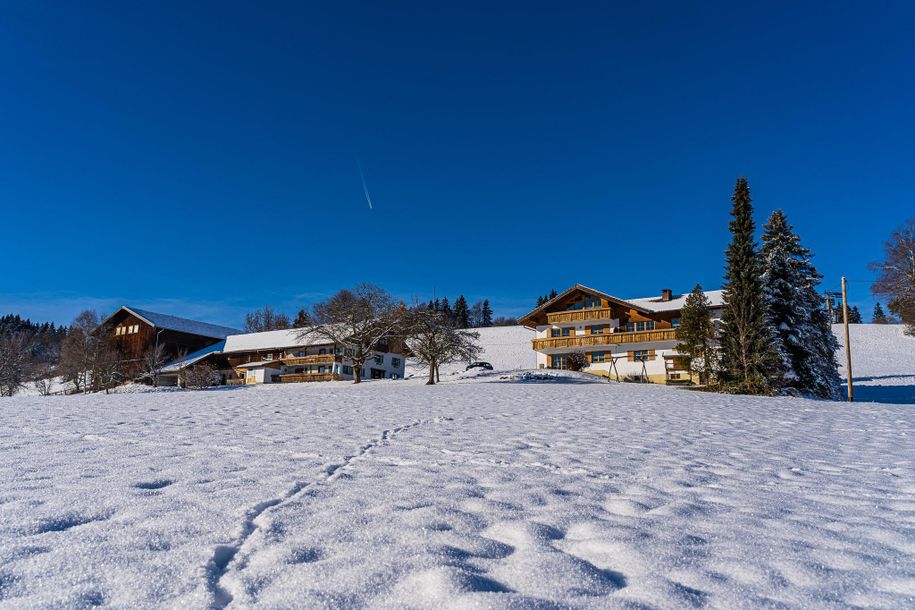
<point x="365" y="188"/>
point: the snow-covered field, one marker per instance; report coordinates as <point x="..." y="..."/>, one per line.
<point x="485" y="491"/>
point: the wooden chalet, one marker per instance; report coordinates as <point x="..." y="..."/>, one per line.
<point x="631" y="338"/>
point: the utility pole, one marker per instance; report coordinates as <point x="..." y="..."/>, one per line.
<point x="851" y="391"/>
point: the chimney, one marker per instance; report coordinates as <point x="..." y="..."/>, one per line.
<point x="666" y="294"/>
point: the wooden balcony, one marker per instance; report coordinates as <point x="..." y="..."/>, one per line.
<point x="643" y="336"/>
<point x="580" y="315"/>
<point x="235" y="382"/>
<point x="315" y="359"/>
<point x="303" y="377"/>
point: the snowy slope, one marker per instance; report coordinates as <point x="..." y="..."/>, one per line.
<point x="883" y="362"/>
<point x="506" y="348"/>
<point x="471" y="494"/>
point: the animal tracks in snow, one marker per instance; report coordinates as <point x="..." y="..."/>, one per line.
<point x="228" y="558"/>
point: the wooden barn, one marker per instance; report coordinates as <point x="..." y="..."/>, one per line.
<point x="136" y="330"/>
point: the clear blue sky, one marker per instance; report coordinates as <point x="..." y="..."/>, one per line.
<point x="201" y="159"/>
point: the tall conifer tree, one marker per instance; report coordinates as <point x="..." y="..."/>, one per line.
<point x="697" y="335"/>
<point x="801" y="329"/>
<point x="461" y="312"/>
<point x="748" y="359"/>
<point x="879" y="315"/>
<point x="486" y="320"/>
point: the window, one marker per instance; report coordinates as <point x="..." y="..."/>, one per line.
<point x="300" y="354"/>
<point x="641" y="355"/>
<point x="119" y="331"/>
<point x="321" y="370"/>
<point x="639" y="326"/>
<point x="348" y="353"/>
<point x="322" y="351"/>
<point x="395" y="362"/>
<point x="597" y="356"/>
<point x="554" y="332"/>
<point x="347" y="370"/>
<point x="269" y="356"/>
<point x="597" y="330"/>
<point x="675" y="323"/>
<point x="558" y="361"/>
<point x="649" y="325"/>
<point x="568" y="332"/>
<point x="337" y="351"/>
<point x="630" y="327"/>
<point x="379" y="358"/>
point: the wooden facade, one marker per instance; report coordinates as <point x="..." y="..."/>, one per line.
<point x="134" y="336"/>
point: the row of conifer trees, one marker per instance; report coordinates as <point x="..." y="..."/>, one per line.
<point x="775" y="332"/>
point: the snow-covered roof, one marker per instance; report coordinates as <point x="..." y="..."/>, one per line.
<point x="656" y="304"/>
<point x="176" y="365"/>
<point x="255" y="365"/>
<point x="182" y="325"/>
<point x="272" y="339"/>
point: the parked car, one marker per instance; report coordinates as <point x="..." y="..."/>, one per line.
<point x="479" y="365"/>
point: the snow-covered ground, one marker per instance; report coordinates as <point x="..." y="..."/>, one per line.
<point x="494" y="490"/>
<point x="883" y="362"/>
<point x="504" y="347"/>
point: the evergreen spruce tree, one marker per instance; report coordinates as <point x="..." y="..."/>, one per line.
<point x="800" y="327"/>
<point x="697" y="335"/>
<point x="879" y="315"/>
<point x="748" y="360"/>
<point x="486" y="314"/>
<point x="446" y="308"/>
<point x="540" y="301"/>
<point x="461" y="312"/>
<point x="854" y="316"/>
<point x="553" y="294"/>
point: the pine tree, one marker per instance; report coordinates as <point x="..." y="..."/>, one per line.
<point x="748" y="359"/>
<point x="487" y="314"/>
<point x="854" y="316"/>
<point x="553" y="295"/>
<point x="461" y="312"/>
<point x="540" y="301"/>
<point x="302" y="319"/>
<point x="879" y="315"/>
<point x="446" y="308"/>
<point x="800" y="327"/>
<point x="697" y="335"/>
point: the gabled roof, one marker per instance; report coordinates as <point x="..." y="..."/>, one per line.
<point x="585" y="289"/>
<point x="182" y="325"/>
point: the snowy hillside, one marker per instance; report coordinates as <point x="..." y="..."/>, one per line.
<point x="483" y="493"/>
<point x="883" y="362"/>
<point x="506" y="348"/>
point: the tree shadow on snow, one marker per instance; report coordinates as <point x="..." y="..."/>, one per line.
<point x="891" y="394"/>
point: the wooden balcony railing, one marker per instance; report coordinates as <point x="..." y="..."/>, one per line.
<point x="235" y="382"/>
<point x="302" y="377"/>
<point x="643" y="336"/>
<point x="315" y="359"/>
<point x="580" y="315"/>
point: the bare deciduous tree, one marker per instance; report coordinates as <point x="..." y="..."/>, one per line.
<point x="154" y="358"/>
<point x="432" y="338"/>
<point x="76" y="352"/>
<point x="361" y="320"/>
<point x="266" y="319"/>
<point x="577" y="361"/>
<point x="15" y="362"/>
<point x="201" y="375"/>
<point x="896" y="279"/>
